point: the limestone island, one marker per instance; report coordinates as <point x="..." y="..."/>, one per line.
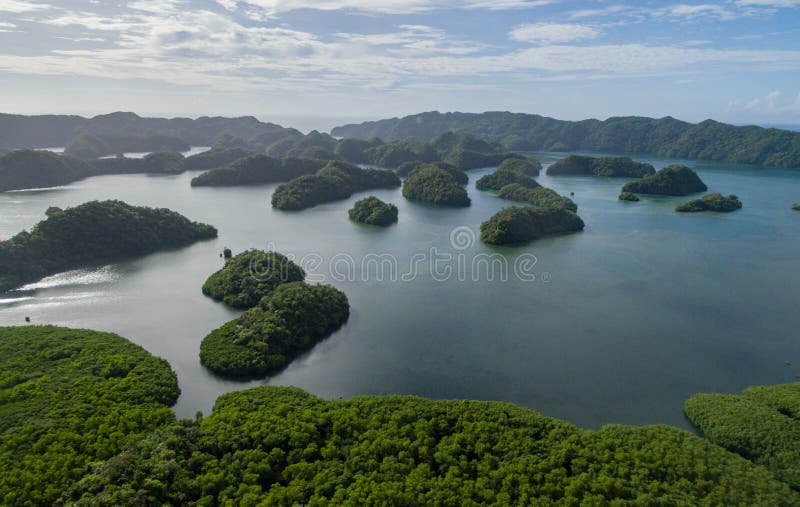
<point x="537" y="196"/>
<point x="92" y="234"/>
<point x="337" y="180"/>
<point x="373" y="211"/>
<point x="612" y="167"/>
<point x="528" y="166"/>
<point x="407" y="168"/>
<point x="250" y="276"/>
<point x="257" y="169"/>
<point x="675" y="180"/>
<point x="502" y="177"/>
<point x="516" y="225"/>
<point x="628" y="196"/>
<point x="711" y="202"/>
<point x="436" y="186"/>
<point x="267" y="337"/>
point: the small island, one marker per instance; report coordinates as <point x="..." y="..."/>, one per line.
<point x="214" y="158"/>
<point x="92" y="234"/>
<point x="677" y="180"/>
<point x="373" y="211"/>
<point x="337" y="180"/>
<point x="270" y="335"/>
<point x="537" y="196"/>
<point x="796" y="206"/>
<point x="628" y="196"/>
<point x="528" y="166"/>
<point x="711" y="202"/>
<point x="436" y="186"/>
<point x="89" y="146"/>
<point x="611" y="167"/>
<point x="250" y="276"/>
<point x="23" y="169"/>
<point x="502" y="177"/>
<point x="516" y="225"/>
<point x="257" y="169"/>
<point x="407" y="168"/>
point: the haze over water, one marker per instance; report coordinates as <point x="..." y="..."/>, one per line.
<point x="623" y="322"/>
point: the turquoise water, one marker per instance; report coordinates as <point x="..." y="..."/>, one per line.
<point x="619" y="324"/>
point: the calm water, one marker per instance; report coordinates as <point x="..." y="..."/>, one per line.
<point x="622" y="323"/>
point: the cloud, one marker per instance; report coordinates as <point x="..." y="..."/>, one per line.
<point x="18" y="6"/>
<point x="769" y="3"/>
<point x="772" y="104"/>
<point x="545" y="33"/>
<point x="275" y="7"/>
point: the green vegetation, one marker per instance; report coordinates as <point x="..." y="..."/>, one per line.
<point x="267" y="337"/>
<point x="672" y="180"/>
<point x="436" y="186"/>
<point x="282" y="446"/>
<point x="527" y="166"/>
<point x="250" y="276"/>
<point x="94" y="146"/>
<point x="522" y="224"/>
<point x="214" y="158"/>
<point x="665" y="137"/>
<point x="711" y="202"/>
<point x="373" y="211"/>
<point x="762" y="424"/>
<point x="502" y="177"/>
<point x="257" y="169"/>
<point x="628" y="196"/>
<point x="337" y="180"/>
<point x="90" y="234"/>
<point x="70" y="398"/>
<point x="39" y="169"/>
<point x="467" y="160"/>
<point x="537" y="196"/>
<point x="796" y="206"/>
<point x="615" y="167"/>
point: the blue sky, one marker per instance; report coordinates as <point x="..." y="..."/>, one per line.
<point x="319" y="62"/>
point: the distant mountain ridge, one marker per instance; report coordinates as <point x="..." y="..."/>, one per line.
<point x="665" y="137"/>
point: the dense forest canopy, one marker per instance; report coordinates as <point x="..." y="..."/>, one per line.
<point x="256" y="169"/>
<point x="89" y="147"/>
<point x="433" y="185"/>
<point x="528" y="166"/>
<point x="514" y="225"/>
<point x="614" y="167"/>
<point x="502" y="177"/>
<point x="672" y="180"/>
<point x="536" y="196"/>
<point x="91" y="234"/>
<point x="373" y="211"/>
<point x="70" y="398"/>
<point x="665" y="137"/>
<point x="711" y="202"/>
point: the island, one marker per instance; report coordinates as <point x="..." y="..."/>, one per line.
<point x="72" y="399"/>
<point x="796" y="206"/>
<point x="23" y="169"/>
<point x="502" y="177"/>
<point x="267" y="337"/>
<point x="711" y="202"/>
<point x="677" y="180"/>
<point x="527" y="166"/>
<point x="251" y="276"/>
<point x="337" y="180"/>
<point x="536" y="196"/>
<point x="257" y="169"/>
<point x="92" y="234"/>
<point x="407" y="168"/>
<point x="435" y="186"/>
<point x="214" y="158"/>
<point x="516" y="225"/>
<point x="628" y="196"/>
<point x="612" y="167"/>
<point x="373" y="211"/>
<point x="92" y="146"/>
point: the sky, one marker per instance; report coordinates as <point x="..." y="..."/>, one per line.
<point x="318" y="63"/>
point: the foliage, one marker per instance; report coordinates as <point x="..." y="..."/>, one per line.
<point x="672" y="180"/>
<point x="537" y="196"/>
<point x="214" y="158"/>
<point x="618" y="167"/>
<point x="436" y="186"/>
<point x="502" y="177"/>
<point x="628" y="196"/>
<point x="522" y="224"/>
<point x="665" y="137"/>
<point x="90" y="234"/>
<point x="267" y="337"/>
<point x="282" y="446"/>
<point x="762" y="424"/>
<point x="337" y="180"/>
<point x="711" y="202"/>
<point x="39" y="169"/>
<point x="257" y="169"/>
<point x="373" y="211"/>
<point x="69" y="398"/>
<point x="796" y="206"/>
<point x="251" y="276"/>
<point x="99" y="145"/>
<point x="527" y="166"/>
<point x="467" y="160"/>
<point x="354" y="150"/>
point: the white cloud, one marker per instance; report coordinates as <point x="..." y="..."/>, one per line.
<point x="275" y="7"/>
<point x="769" y="3"/>
<point x="773" y="104"/>
<point x="18" y="6"/>
<point x="555" y="33"/>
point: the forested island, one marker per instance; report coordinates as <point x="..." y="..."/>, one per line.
<point x="514" y="225"/>
<point x="93" y="233"/>
<point x="628" y="196"/>
<point x="612" y="167"/>
<point x="256" y="169"/>
<point x="537" y="196"/>
<point x="337" y="180"/>
<point x="665" y="137"/>
<point x="435" y="186"/>
<point x="502" y="177"/>
<point x="267" y="337"/>
<point x="675" y="180"/>
<point x="251" y="276"/>
<point x="90" y="147"/>
<point x="407" y="168"/>
<point x="711" y="202"/>
<point x="528" y="166"/>
<point x="373" y="211"/>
